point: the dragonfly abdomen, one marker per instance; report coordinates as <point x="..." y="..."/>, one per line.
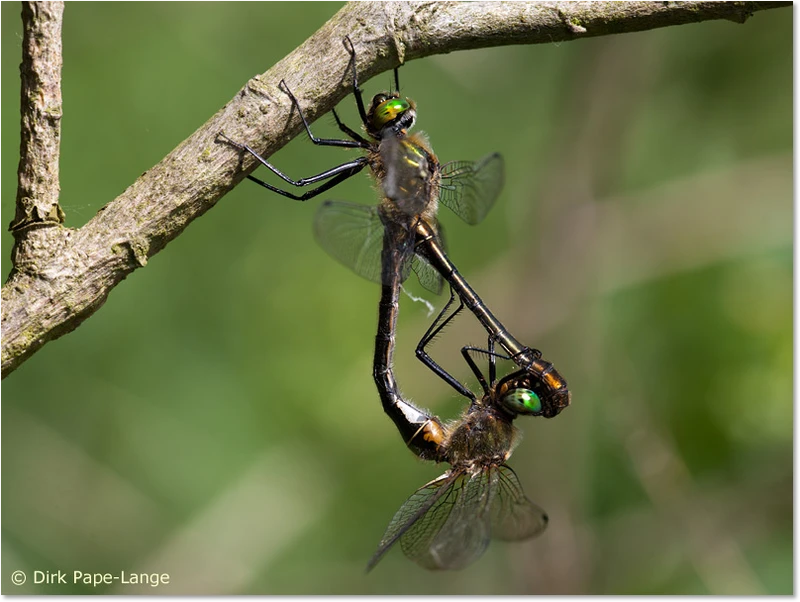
<point x="555" y="387"/>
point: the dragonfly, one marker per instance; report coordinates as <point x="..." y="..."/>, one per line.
<point x="469" y="189"/>
<point x="448" y="523"/>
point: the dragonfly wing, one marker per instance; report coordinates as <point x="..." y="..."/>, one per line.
<point x="469" y="189"/>
<point x="415" y="507"/>
<point x="514" y="516"/>
<point x="353" y="235"/>
<point x="456" y="530"/>
<point x="427" y="274"/>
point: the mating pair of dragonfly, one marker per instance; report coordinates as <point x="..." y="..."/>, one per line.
<point x="446" y="524"/>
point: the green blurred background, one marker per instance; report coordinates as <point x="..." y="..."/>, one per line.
<point x="217" y="420"/>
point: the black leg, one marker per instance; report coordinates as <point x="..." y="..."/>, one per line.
<point x="438" y="325"/>
<point x="336" y="174"/>
<point x="492" y="355"/>
<point x="352" y="169"/>
<point x="322" y="141"/>
<point x="356" y="90"/>
<point x="492" y="362"/>
<point x="353" y="134"/>
<point x="474" y="367"/>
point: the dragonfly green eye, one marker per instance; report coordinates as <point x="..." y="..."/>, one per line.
<point x="388" y="111"/>
<point x="522" y="401"/>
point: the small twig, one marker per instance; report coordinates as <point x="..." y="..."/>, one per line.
<point x="62" y="276"/>
<point x="37" y="193"/>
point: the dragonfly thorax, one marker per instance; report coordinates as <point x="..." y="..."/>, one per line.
<point x="482" y="437"/>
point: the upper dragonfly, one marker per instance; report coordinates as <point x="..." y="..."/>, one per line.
<point x="468" y="188"/>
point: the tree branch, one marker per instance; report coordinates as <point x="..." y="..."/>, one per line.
<point x="37" y="192"/>
<point x="61" y="276"/>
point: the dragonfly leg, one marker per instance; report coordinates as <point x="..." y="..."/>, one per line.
<point x="493" y="357"/>
<point x="356" y="90"/>
<point x="354" y="135"/>
<point x="337" y="175"/>
<point x="438" y="325"/>
<point x="357" y="142"/>
<point x="465" y="351"/>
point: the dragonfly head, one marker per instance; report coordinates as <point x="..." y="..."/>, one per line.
<point x="528" y="393"/>
<point x="388" y="110"/>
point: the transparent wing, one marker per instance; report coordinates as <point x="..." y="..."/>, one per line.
<point x="514" y="516"/>
<point x="418" y="505"/>
<point x="469" y="189"/>
<point x="353" y="235"/>
<point x="456" y="530"/>
<point x="427" y="274"/>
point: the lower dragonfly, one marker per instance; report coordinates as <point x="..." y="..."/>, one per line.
<point x="447" y="524"/>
